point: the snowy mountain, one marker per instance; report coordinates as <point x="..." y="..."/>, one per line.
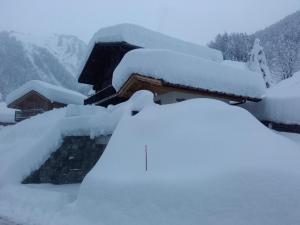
<point x="280" y="42"/>
<point x="25" y="57"/>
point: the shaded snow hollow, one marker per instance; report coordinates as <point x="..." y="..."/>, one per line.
<point x="52" y="92"/>
<point x="182" y="69"/>
<point x="208" y="163"/>
<point x="145" y="38"/>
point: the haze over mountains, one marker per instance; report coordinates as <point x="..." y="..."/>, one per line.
<point x="281" y="43"/>
<point x="53" y="59"/>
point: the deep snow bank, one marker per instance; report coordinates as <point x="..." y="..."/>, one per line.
<point x="281" y="103"/>
<point x="208" y="163"/>
<point x="26" y="145"/>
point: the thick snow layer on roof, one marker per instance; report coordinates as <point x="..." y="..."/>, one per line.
<point x="6" y="115"/>
<point x="145" y="38"/>
<point x="281" y="103"/>
<point x="188" y="70"/>
<point x="49" y="91"/>
<point x="235" y="64"/>
<point x="215" y="165"/>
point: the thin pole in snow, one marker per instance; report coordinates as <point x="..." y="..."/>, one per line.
<point x="146" y="158"/>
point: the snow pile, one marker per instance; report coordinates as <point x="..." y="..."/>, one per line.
<point x="281" y="103"/>
<point x="208" y="163"/>
<point x="144" y="38"/>
<point x="49" y="91"/>
<point x="6" y="115"/>
<point x="25" y="146"/>
<point x="188" y="70"/>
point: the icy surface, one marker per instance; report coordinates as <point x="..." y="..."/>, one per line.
<point x="6" y="115"/>
<point x="50" y="91"/>
<point x="188" y="70"/>
<point x="142" y="37"/>
<point x="281" y="103"/>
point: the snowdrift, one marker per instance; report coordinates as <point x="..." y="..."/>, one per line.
<point x="208" y="163"/>
<point x="281" y="103"/>
<point x="25" y="146"/>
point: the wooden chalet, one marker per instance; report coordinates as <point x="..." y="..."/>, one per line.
<point x="99" y="73"/>
<point x="31" y="104"/>
<point x="36" y="97"/>
<point x="105" y="54"/>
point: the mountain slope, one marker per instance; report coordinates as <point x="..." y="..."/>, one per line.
<point x="26" y="57"/>
<point x="281" y="42"/>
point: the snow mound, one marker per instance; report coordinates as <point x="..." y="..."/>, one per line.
<point x="281" y="102"/>
<point x="6" y="115"/>
<point x="25" y="146"/>
<point x="188" y="70"/>
<point x="142" y="37"/>
<point x="208" y="163"/>
<point x="49" y="91"/>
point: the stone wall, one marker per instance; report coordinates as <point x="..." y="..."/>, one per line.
<point x="71" y="162"/>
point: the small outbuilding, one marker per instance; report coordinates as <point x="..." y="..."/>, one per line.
<point x="36" y="97"/>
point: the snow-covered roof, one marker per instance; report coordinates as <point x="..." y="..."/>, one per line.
<point x="6" y="115"/>
<point x="187" y="70"/>
<point x="145" y="38"/>
<point x="49" y="91"/>
<point x="281" y="103"/>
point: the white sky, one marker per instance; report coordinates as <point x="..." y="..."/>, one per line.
<point x="193" y="20"/>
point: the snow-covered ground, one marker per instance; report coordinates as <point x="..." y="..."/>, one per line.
<point x="281" y="102"/>
<point x="292" y="136"/>
<point x="208" y="163"/>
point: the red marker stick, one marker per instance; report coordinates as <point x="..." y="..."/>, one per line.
<point x="146" y="158"/>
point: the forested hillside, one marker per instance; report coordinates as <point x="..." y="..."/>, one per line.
<point x="281" y="43"/>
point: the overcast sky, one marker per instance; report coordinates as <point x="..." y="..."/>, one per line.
<point x="194" y="20"/>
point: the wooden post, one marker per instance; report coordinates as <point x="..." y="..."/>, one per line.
<point x="146" y="158"/>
